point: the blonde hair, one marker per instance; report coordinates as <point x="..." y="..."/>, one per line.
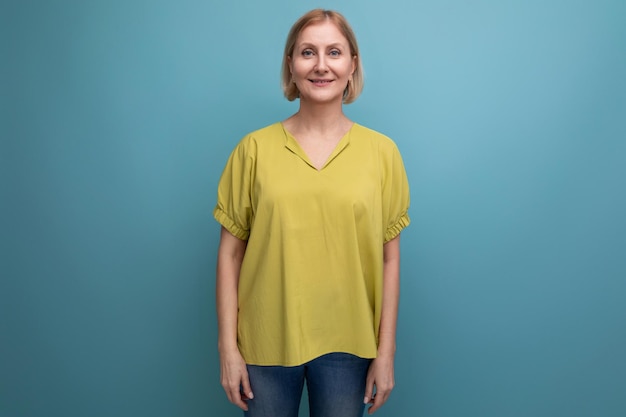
<point x="355" y="86"/>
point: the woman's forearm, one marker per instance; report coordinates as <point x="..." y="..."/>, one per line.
<point x="233" y="374"/>
<point x="229" y="259"/>
<point x="391" y="297"/>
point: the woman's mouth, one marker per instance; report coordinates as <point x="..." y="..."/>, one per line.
<point x="321" y="83"/>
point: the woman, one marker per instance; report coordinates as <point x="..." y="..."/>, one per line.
<point x="311" y="210"/>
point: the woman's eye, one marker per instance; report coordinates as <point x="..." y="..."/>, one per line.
<point x="335" y="52"/>
<point x="307" y="52"/>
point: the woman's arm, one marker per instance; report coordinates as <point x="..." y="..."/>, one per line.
<point x="234" y="376"/>
<point x="380" y="373"/>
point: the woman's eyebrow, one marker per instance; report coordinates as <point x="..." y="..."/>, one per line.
<point x="311" y="45"/>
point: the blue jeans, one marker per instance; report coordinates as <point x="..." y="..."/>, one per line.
<point x="335" y="384"/>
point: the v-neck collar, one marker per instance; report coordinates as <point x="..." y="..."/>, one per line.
<point x="292" y="144"/>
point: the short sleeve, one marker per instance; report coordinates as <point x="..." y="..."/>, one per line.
<point x="395" y="195"/>
<point x="234" y="200"/>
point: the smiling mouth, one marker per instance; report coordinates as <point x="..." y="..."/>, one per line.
<point x="321" y="82"/>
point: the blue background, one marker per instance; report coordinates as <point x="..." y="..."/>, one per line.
<point x="118" y="116"/>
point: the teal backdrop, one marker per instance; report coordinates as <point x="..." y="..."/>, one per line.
<point x="118" y="116"/>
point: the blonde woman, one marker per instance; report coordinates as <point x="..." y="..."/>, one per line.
<point x="311" y="210"/>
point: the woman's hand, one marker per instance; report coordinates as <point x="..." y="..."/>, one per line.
<point x="379" y="375"/>
<point x="234" y="378"/>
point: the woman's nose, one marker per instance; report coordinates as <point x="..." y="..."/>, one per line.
<point x="320" y="65"/>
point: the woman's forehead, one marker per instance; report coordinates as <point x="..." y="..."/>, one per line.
<point x="325" y="32"/>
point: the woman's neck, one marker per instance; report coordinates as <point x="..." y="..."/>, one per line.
<point x="320" y="118"/>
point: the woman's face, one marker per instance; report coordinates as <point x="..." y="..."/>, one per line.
<point x="321" y="64"/>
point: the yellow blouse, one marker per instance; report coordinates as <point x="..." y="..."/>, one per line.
<point x="311" y="278"/>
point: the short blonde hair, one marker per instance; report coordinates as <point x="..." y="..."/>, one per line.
<point x="355" y="86"/>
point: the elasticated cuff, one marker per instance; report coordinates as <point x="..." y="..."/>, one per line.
<point x="397" y="227"/>
<point x="223" y="219"/>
